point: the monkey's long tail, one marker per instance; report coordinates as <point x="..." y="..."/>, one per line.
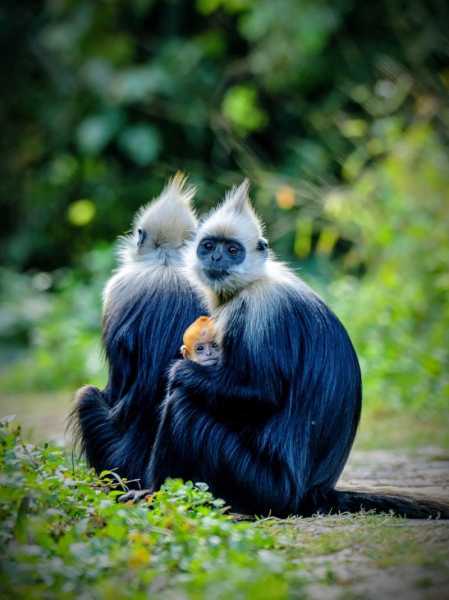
<point x="393" y="502"/>
<point x="93" y="431"/>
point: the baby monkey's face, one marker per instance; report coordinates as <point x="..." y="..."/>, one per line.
<point x="200" y="342"/>
<point x="206" y="352"/>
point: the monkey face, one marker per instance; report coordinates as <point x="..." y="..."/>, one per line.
<point x="206" y="353"/>
<point x="230" y="252"/>
<point x="219" y="256"/>
<point x="226" y="265"/>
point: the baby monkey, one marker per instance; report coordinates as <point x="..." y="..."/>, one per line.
<point x="199" y="342"/>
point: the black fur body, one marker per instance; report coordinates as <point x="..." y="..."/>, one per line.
<point x="141" y="337"/>
<point x="147" y="305"/>
<point x="275" y="422"/>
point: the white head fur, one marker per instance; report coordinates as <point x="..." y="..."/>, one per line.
<point x="163" y="226"/>
<point x="233" y="219"/>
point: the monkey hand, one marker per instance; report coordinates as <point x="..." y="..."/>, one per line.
<point x="193" y="377"/>
<point x="135" y="496"/>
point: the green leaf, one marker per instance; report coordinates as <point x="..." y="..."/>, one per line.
<point x="241" y="107"/>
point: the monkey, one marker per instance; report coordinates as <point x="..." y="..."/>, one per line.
<point x="269" y="432"/>
<point x="147" y="305"/>
<point x="199" y="342"/>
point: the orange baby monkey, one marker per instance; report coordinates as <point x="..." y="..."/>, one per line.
<point x="200" y="342"/>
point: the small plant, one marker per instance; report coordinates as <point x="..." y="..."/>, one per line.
<point x="63" y="535"/>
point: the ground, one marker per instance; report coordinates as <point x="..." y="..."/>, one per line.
<point x="377" y="557"/>
<point x="345" y="556"/>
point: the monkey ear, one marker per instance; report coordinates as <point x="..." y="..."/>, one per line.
<point x="185" y="351"/>
<point x="262" y="245"/>
<point x="238" y="198"/>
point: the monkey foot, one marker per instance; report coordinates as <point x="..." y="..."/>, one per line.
<point x="135" y="496"/>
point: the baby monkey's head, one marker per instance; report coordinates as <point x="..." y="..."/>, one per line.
<point x="200" y="342"/>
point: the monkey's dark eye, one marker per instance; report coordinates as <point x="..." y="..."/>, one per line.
<point x="214" y="345"/>
<point x="208" y="246"/>
<point x="233" y="250"/>
<point x="199" y="348"/>
<point x="141" y="235"/>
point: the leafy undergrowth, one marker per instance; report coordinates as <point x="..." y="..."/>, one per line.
<point x="63" y="535"/>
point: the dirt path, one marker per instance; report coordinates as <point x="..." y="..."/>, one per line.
<point x="375" y="557"/>
<point x="425" y="471"/>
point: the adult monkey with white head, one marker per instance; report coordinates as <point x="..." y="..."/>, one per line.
<point x="270" y="428"/>
<point x="147" y="305"/>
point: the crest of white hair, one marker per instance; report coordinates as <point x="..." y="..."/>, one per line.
<point x="234" y="218"/>
<point x="168" y="220"/>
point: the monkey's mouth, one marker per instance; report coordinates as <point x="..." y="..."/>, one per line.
<point x="209" y="362"/>
<point x="216" y="274"/>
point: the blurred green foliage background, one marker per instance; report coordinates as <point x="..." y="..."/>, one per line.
<point x="337" y="110"/>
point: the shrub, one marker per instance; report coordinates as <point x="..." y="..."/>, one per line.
<point x="64" y="535"/>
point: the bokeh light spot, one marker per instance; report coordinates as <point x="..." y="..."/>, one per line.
<point x="81" y="212"/>
<point x="285" y="197"/>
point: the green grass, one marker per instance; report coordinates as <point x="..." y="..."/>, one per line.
<point x="366" y="555"/>
<point x="383" y="540"/>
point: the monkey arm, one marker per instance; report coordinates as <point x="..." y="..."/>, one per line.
<point x="219" y="390"/>
<point x="193" y="444"/>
